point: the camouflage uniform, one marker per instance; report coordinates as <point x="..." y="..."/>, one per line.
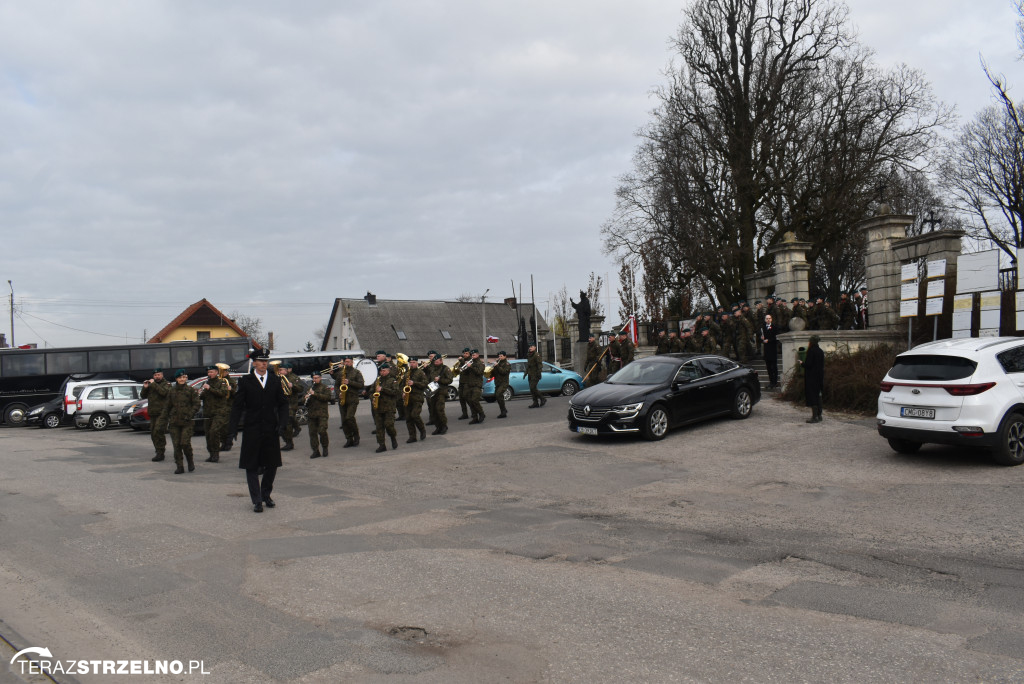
<point x="182" y="404"/>
<point x="500" y="374"/>
<point x="425" y="367"/>
<point x="473" y="381"/>
<point x="828" y="319"/>
<point x="675" y="343"/>
<point x="593" y="354"/>
<point x="782" y="317"/>
<point x="216" y="400"/>
<point x="534" y="368"/>
<point x="298" y="390"/>
<point x="727" y="340"/>
<point x="743" y="332"/>
<point x="664" y="344"/>
<point x="705" y="344"/>
<point x="463" y="390"/>
<point x="316" y="409"/>
<point x="443" y="375"/>
<point x="384" y="413"/>
<point x="348" y="401"/>
<point x="687" y="344"/>
<point x="417" y="381"/>
<point x="614" y="356"/>
<point x="157" y="393"/>
<point x="628" y="351"/>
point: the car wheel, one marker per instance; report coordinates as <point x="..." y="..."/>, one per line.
<point x="509" y="394"/>
<point x="904" y="446"/>
<point x="1009" y="450"/>
<point x="15" y="415"/>
<point x="742" y="403"/>
<point x="451" y="394"/>
<point x="99" y="421"/>
<point x="569" y="388"/>
<point x="302" y="415"/>
<point x="51" y="420"/>
<point x="656" y="423"/>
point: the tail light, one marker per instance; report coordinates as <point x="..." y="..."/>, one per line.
<point x="887" y="386"/>
<point x="78" y="405"/>
<point x="968" y="390"/>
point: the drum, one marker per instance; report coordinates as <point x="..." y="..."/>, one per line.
<point x="368" y="369"/>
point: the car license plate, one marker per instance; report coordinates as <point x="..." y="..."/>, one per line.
<point x="586" y="430"/>
<point x="908" y="412"/>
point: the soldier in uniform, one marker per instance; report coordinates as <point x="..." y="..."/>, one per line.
<point x="743" y="332"/>
<point x="628" y="351"/>
<point x="706" y="343"/>
<point x="675" y="343"/>
<point x="846" y="312"/>
<point x="156" y="390"/>
<point x="534" y="368"/>
<point x="348" y="400"/>
<point x="500" y="373"/>
<point x="799" y="310"/>
<point x="782" y="317"/>
<point x="614" y="355"/>
<point x="182" y="404"/>
<point x="216" y="397"/>
<point x="463" y="390"/>
<point x="416" y="381"/>
<point x="294" y="389"/>
<point x="728" y="341"/>
<point x="388" y="392"/>
<point x="687" y="344"/>
<point x="473" y="381"/>
<point x="592" y="369"/>
<point x="442" y="375"/>
<point x="426" y="366"/>
<point x="664" y="343"/>
<point x="713" y="328"/>
<point x="317" y="398"/>
<point x="228" y="440"/>
<point x="828" y="319"/>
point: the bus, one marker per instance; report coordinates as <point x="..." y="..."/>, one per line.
<point x="33" y="376"/>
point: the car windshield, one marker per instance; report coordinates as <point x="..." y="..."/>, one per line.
<point x="932" y="367"/>
<point x="644" y="374"/>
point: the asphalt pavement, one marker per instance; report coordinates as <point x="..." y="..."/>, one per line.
<point x="760" y="550"/>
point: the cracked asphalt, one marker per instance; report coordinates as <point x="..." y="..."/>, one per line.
<point x="764" y="550"/>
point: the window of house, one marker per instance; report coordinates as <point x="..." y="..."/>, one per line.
<point x="401" y="334"/>
<point x="202" y="335"/>
<point x="446" y="335"/>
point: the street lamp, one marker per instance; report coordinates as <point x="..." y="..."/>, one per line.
<point x="483" y="311"/>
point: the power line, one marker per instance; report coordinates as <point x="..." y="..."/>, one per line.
<point x="45" y="343"/>
<point x="60" y="325"/>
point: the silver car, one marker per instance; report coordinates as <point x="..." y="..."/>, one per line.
<point x="98" y="406"/>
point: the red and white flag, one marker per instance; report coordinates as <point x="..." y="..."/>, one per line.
<point x="492" y="339"/>
<point x="631" y="329"/>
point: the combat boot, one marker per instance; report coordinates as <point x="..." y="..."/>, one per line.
<point x="191" y="464"/>
<point x="288" y="446"/>
<point x="394" y="442"/>
<point x="381" y="449"/>
<point x="179" y="470"/>
<point x="423" y="434"/>
<point x="325" y="451"/>
<point x="213" y="458"/>
<point x="348" y="443"/>
<point x="297" y="431"/>
<point x="412" y="438"/>
<point x="158" y="457"/>
<point x="315" y="454"/>
<point x="503" y="415"/>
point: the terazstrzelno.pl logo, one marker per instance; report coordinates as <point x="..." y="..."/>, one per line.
<point x="44" y="664"/>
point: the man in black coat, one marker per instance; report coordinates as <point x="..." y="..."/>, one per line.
<point x="262" y="400"/>
<point x="768" y="335"/>
<point x="814" y="378"/>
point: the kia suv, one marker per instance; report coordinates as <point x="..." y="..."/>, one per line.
<point x="962" y="392"/>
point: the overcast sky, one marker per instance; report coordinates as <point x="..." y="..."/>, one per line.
<point x="272" y="156"/>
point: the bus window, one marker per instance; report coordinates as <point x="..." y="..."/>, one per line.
<point x="229" y="354"/>
<point x="148" y="359"/>
<point x="66" y="363"/>
<point x="16" y="363"/>
<point x="108" y="361"/>
<point x="184" y="357"/>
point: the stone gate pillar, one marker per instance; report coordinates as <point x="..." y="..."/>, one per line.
<point x="791" y="268"/>
<point x="882" y="266"/>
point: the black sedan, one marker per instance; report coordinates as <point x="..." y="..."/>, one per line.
<point x="656" y="393"/>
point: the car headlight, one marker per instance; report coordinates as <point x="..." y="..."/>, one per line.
<point x="628" y="408"/>
<point x="36" y="411"/>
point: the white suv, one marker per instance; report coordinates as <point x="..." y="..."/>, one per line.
<point x="97" y="403"/>
<point x="963" y="392"/>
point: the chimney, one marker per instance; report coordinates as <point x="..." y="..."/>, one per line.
<point x="370" y="298"/>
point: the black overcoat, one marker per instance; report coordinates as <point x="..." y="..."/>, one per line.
<point x="265" y="411"/>
<point x="814" y="374"/>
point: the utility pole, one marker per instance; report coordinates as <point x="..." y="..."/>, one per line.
<point x="483" y="309"/>
<point x="12" y="313"/>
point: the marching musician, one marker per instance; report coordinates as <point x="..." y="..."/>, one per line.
<point x="294" y="389"/>
<point x="182" y="404"/>
<point x="460" y="367"/>
<point x="441" y="374"/>
<point x="473" y="382"/>
<point x="215" y="394"/>
<point x="416" y="381"/>
<point x="348" y="400"/>
<point x="500" y="374"/>
<point x="156" y="390"/>
<point x="385" y="393"/>
<point x="316" y="399"/>
<point x="426" y="366"/>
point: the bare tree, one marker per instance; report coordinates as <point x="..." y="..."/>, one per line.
<point x="774" y="120"/>
<point x="560" y="312"/>
<point x="594" y="285"/>
<point x="629" y="294"/>
<point x="252" y="326"/>
<point x="984" y="170"/>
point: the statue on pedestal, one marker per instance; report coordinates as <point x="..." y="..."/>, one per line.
<point x="582" y="315"/>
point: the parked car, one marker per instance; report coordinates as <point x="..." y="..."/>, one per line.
<point x="655" y="394"/>
<point x="47" y="415"/>
<point x="74" y="385"/>
<point x="97" y="403"/>
<point x="962" y="392"/>
<point x="553" y="380"/>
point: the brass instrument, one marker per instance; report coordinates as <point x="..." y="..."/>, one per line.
<point x="376" y="396"/>
<point x="487" y="371"/>
<point x="224" y="373"/>
<point x="343" y="389"/>
<point x="332" y="366"/>
<point x="465" y="366"/>
<point x="286" y="384"/>
<point x="406" y="391"/>
<point x="305" y="401"/>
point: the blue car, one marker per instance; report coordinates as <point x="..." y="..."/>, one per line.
<point x="553" y="380"/>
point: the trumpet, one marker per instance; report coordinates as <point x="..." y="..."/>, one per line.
<point x="465" y="366"/>
<point x="286" y="385"/>
<point x="305" y="401"/>
<point x="376" y="396"/>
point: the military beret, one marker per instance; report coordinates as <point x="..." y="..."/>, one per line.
<point x="286" y="364"/>
<point x="591" y="335"/>
<point x="502" y="352"/>
<point x="381" y="352"/>
<point x="178" y="373"/>
<point x="759" y="301"/>
<point x="158" y="370"/>
<point x="210" y="368"/>
<point x="432" y="352"/>
<point x="686" y="330"/>
<point x="704" y="329"/>
<point x="794" y="300"/>
<point x="385" y="366"/>
<point x="315" y="374"/>
<point x="465" y="350"/>
<point x="863" y="289"/>
<point x="473" y="351"/>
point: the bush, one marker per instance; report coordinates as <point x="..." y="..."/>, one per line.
<point x="851" y="379"/>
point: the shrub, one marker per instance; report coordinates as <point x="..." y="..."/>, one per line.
<point x="851" y="379"/>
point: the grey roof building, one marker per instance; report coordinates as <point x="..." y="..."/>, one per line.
<point x="414" y="327"/>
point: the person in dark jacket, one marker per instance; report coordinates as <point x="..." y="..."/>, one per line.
<point x="262" y="400"/>
<point x="769" y="340"/>
<point x="814" y="378"/>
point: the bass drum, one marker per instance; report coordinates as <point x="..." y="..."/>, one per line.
<point x="369" y="371"/>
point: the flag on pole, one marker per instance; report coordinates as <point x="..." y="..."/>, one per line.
<point x="632" y="330"/>
<point x="492" y="339"/>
